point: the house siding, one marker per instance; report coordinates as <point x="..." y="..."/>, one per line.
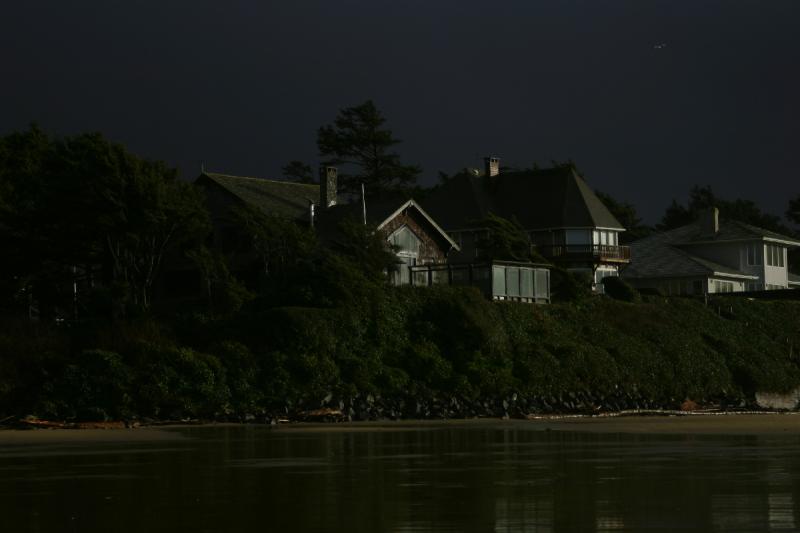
<point x="430" y="251"/>
<point x="776" y="276"/>
<point x="724" y="253"/>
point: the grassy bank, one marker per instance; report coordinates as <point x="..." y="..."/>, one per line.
<point x="401" y="352"/>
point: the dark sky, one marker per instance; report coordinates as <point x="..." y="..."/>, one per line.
<point x="243" y="85"/>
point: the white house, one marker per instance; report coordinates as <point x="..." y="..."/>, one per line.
<point x="712" y="255"/>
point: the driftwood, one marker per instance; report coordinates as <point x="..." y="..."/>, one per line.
<point x="324" y="414"/>
<point x="36" y="423"/>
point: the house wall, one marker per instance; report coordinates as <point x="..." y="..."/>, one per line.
<point x="776" y="276"/>
<point x="716" y="285"/>
<point x="735" y="255"/>
<point x="430" y="250"/>
<point x="684" y="286"/>
<point x="725" y="253"/>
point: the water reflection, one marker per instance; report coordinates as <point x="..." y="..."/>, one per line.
<point x="489" y="478"/>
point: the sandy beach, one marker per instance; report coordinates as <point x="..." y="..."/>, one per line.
<point x="776" y="424"/>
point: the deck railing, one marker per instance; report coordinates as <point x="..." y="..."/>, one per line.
<point x="599" y="252"/>
<point x="498" y="280"/>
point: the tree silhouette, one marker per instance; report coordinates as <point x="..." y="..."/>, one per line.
<point x="358" y="140"/>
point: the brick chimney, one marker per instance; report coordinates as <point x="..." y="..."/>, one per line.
<point x="709" y="222"/>
<point x="491" y="166"/>
<point x="327" y="186"/>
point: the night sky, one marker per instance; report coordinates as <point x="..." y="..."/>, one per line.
<point x="646" y="97"/>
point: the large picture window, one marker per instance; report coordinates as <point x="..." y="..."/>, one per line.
<point x="754" y="254"/>
<point x="775" y="255"/>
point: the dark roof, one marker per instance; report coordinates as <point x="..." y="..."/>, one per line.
<point x="281" y="198"/>
<point x="656" y="257"/>
<point x="729" y="230"/>
<point x="668" y="254"/>
<point x="538" y="199"/>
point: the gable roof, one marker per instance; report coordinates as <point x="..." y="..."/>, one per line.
<point x="538" y="199"/>
<point x="282" y="198"/>
<point x="729" y="231"/>
<point x="379" y="213"/>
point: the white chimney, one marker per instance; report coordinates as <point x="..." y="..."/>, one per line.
<point x="491" y="166"/>
<point x="709" y="222"/>
<point x="328" y="177"/>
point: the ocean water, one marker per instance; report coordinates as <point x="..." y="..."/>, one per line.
<point x="402" y="478"/>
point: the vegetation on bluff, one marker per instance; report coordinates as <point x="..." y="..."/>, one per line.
<point x="407" y="347"/>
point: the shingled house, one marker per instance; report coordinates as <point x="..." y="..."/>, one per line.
<point x="416" y="237"/>
<point x="422" y="247"/>
<point x="712" y="255"/>
<point x="563" y="217"/>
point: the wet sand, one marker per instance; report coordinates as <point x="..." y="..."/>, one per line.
<point x="17" y="437"/>
<point x="776" y="424"/>
<point x="717" y="424"/>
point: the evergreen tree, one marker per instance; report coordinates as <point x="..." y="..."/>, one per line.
<point x="626" y="214"/>
<point x="793" y="212"/>
<point x="299" y="172"/>
<point x="703" y="198"/>
<point x="506" y="240"/>
<point x="358" y="140"/>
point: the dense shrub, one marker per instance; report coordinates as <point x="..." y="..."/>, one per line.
<point x="96" y="386"/>
<point x="618" y="289"/>
<point x="566" y="286"/>
<point x="173" y="383"/>
<point x="441" y="342"/>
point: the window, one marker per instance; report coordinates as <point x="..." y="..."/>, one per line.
<point x="754" y="252"/>
<point x="577" y="236"/>
<point x="512" y="281"/>
<point x="406" y="240"/>
<point x="498" y="281"/>
<point x="723" y="286"/>
<point x="520" y="283"/>
<point x="775" y="255"/>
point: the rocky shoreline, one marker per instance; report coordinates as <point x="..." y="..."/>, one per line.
<point x="368" y="407"/>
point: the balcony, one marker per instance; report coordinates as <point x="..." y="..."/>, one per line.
<point x="600" y="253"/>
